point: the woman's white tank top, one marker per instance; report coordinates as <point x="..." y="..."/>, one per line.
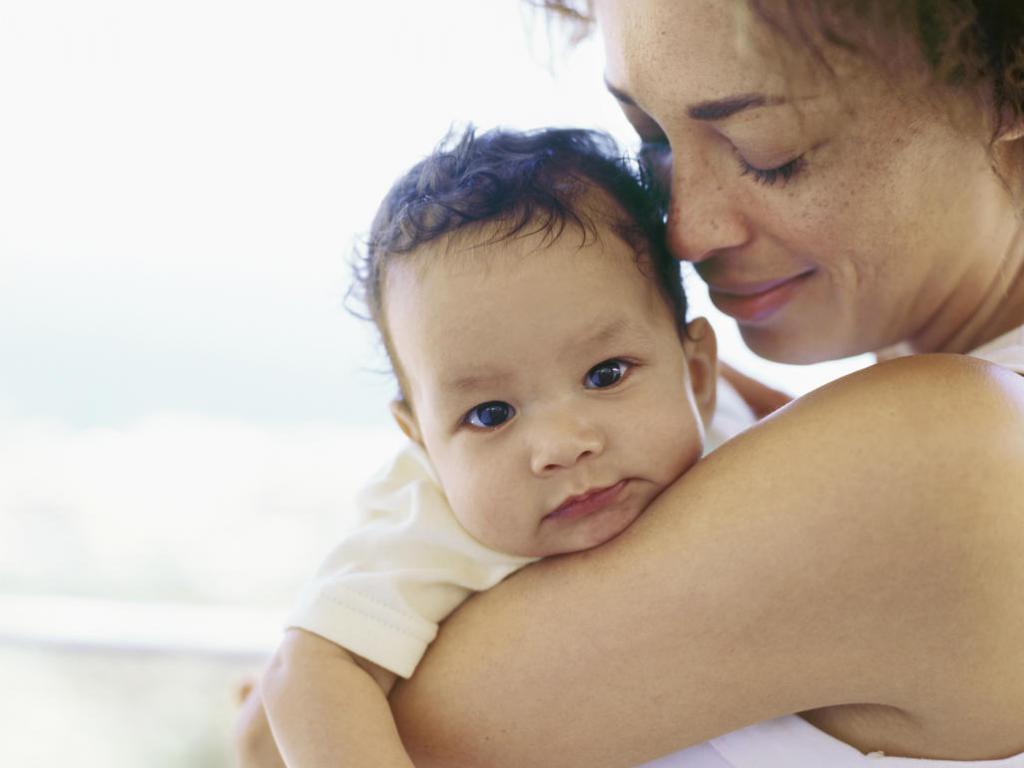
<point x="792" y="742"/>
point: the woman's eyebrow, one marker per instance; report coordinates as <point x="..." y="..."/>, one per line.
<point x="619" y="94"/>
<point x="720" y="109"/>
<point x="714" y="110"/>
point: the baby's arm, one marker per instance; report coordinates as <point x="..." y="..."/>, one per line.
<point x="329" y="708"/>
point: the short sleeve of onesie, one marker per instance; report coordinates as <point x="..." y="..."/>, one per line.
<point x="407" y="564"/>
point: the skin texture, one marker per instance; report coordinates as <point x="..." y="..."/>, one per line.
<point x="327" y="707"/>
<point x="596" y="385"/>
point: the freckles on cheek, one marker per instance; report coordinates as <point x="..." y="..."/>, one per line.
<point x="824" y="224"/>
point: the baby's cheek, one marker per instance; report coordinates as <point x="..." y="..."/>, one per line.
<point x="467" y="510"/>
<point x="673" y="438"/>
<point x="485" y="512"/>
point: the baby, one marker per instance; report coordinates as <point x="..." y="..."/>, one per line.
<point x="550" y="388"/>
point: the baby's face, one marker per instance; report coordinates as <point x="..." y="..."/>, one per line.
<point x="548" y="384"/>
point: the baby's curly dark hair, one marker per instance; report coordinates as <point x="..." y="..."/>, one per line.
<point x="536" y="182"/>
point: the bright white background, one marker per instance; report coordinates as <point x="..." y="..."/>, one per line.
<point x="185" y="406"/>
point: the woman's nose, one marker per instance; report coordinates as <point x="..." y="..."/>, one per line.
<point x="563" y="443"/>
<point x="705" y="216"/>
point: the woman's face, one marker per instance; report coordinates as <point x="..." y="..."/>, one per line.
<point x="830" y="216"/>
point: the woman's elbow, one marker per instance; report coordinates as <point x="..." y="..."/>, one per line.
<point x="438" y="734"/>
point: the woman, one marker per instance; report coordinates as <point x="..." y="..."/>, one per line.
<point x="846" y="177"/>
<point x="844" y="182"/>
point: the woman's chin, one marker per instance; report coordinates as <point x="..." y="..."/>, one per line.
<point x="798" y="347"/>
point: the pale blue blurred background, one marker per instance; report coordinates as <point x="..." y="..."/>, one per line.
<point x="185" y="407"/>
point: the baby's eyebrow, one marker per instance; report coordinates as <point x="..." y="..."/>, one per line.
<point x="611" y="331"/>
<point x="472" y="382"/>
<point x="619" y="329"/>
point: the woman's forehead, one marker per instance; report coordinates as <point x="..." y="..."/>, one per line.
<point x="696" y="51"/>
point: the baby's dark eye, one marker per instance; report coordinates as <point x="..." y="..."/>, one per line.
<point x="606" y="374"/>
<point x="490" y="415"/>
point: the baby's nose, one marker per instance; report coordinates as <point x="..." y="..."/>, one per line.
<point x="564" y="444"/>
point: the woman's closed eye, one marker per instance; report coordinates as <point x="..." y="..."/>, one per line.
<point x="606" y="374"/>
<point x="656" y="157"/>
<point x="489" y="415"/>
<point x="770" y="176"/>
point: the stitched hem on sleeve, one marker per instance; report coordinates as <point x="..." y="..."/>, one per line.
<point x="366" y="627"/>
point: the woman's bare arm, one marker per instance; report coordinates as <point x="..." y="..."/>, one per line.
<point x="861" y="546"/>
<point x="761" y="398"/>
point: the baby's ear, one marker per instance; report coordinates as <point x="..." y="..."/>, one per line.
<point x="701" y="349"/>
<point x="406" y="421"/>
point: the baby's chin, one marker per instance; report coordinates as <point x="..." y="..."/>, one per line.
<point x="564" y="535"/>
<point x="578" y="530"/>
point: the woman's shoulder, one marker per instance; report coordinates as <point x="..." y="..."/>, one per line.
<point x="933" y="420"/>
<point x="922" y="383"/>
<point x="937" y="441"/>
<point x="943" y="434"/>
<point x="940" y="407"/>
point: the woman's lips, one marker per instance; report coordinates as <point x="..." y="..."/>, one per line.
<point x="753" y="302"/>
<point x="587" y="503"/>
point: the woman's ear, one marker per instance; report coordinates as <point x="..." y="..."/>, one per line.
<point x="1012" y="129"/>
<point x="1008" y="154"/>
<point x="701" y="349"/>
<point x="406" y="421"/>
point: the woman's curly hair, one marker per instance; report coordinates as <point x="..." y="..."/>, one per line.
<point x="966" y="43"/>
